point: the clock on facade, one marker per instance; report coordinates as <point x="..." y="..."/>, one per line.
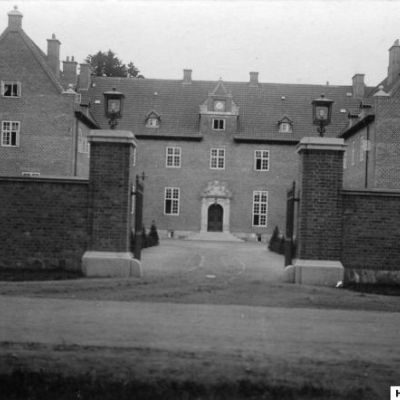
<point x="219" y="105"/>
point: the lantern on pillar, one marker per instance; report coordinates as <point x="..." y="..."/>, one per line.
<point x="113" y="104"/>
<point x="322" y="113"/>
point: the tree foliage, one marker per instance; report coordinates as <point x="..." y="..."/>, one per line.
<point x="108" y="64"/>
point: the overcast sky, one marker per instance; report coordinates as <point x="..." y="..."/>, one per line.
<point x="285" y="41"/>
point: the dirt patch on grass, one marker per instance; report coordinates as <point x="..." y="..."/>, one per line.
<point x="44" y="372"/>
<point x="28" y="274"/>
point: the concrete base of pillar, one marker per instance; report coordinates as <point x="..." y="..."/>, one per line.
<point x="315" y="272"/>
<point x="110" y="264"/>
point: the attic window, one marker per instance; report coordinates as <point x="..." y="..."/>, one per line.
<point x="285" y="125"/>
<point x="218" y="124"/>
<point x="153" y="122"/>
<point x="10" y="89"/>
<point x="152" y="119"/>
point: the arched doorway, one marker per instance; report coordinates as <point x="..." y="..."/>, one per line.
<point x="215" y="218"/>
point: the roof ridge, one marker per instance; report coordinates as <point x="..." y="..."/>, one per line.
<point x="224" y="82"/>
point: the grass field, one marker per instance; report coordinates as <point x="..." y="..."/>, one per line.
<point x="181" y="274"/>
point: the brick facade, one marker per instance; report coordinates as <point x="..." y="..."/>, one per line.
<point x="387" y="143"/>
<point x="44" y="222"/>
<point x="195" y="174"/>
<point x="48" y="136"/>
<point x="320" y="213"/>
<point x="371" y="230"/>
<point x="110" y="191"/>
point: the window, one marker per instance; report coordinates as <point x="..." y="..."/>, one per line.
<point x="353" y="153"/>
<point x="260" y="208"/>
<point x="261" y="160"/>
<point x="173" y="157"/>
<point x="134" y="157"/>
<point x="218" y="124"/>
<point x="217" y="158"/>
<point x="83" y="144"/>
<point x="10" y="89"/>
<point x="31" y="174"/>
<point x="345" y="159"/>
<point x="285" y="127"/>
<point x="171" y="201"/>
<point x="10" y="133"/>
<point x="153" y="123"/>
<point x="361" y="149"/>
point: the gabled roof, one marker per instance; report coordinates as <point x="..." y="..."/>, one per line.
<point x="36" y="52"/>
<point x="220" y="90"/>
<point x="151" y="114"/>
<point x="259" y="107"/>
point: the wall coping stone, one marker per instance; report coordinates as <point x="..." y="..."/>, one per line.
<point x="321" y="143"/>
<point x="45" y="179"/>
<point x="372" y="192"/>
<point x="111" y="136"/>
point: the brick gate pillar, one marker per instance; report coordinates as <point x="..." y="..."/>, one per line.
<point x="319" y="237"/>
<point x="110" y="202"/>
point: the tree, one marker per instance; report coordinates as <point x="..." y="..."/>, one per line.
<point x="108" y="64"/>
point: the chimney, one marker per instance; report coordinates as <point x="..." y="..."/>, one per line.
<point x="84" y="77"/>
<point x="187" y="76"/>
<point x="15" y="19"/>
<point x="69" y="71"/>
<point x="53" y="54"/>
<point x="394" y="62"/>
<point x="358" y="86"/>
<point x="253" y="78"/>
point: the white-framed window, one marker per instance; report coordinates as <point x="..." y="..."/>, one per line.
<point x="83" y="143"/>
<point x="345" y="159"/>
<point x="153" y="123"/>
<point x="171" y="201"/>
<point x="173" y="157"/>
<point x="217" y="158"/>
<point x="261" y="160"/>
<point x="10" y="133"/>
<point x="285" y="127"/>
<point x="10" y="89"/>
<point x="31" y="174"/>
<point x="218" y="124"/>
<point x="361" y="149"/>
<point x="134" y="157"/>
<point x="260" y="208"/>
<point x="133" y="199"/>
<point x="353" y="153"/>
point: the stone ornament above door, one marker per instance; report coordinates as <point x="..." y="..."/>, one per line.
<point x="216" y="189"/>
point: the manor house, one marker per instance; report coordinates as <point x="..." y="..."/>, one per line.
<point x="216" y="156"/>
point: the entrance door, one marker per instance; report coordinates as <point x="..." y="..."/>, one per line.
<point x="215" y="216"/>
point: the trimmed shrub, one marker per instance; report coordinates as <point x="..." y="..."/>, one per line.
<point x="153" y="235"/>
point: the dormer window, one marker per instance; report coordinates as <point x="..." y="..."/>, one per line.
<point x="218" y="124"/>
<point x="153" y="120"/>
<point x="152" y="123"/>
<point x="285" y="125"/>
<point x="10" y="89"/>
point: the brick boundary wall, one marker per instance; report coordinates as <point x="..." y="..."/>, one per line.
<point x="44" y="222"/>
<point x="371" y="235"/>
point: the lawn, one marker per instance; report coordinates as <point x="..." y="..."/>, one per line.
<point x="180" y="273"/>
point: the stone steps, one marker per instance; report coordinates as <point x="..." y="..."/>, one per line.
<point x="215" y="237"/>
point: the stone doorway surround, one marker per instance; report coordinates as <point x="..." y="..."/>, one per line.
<point x="216" y="192"/>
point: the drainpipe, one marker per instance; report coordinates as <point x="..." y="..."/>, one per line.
<point x="367" y="158"/>
<point x="75" y="140"/>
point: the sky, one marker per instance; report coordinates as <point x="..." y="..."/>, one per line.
<point x="285" y="41"/>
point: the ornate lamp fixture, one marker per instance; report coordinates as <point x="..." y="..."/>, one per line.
<point x="113" y="106"/>
<point x="322" y="113"/>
